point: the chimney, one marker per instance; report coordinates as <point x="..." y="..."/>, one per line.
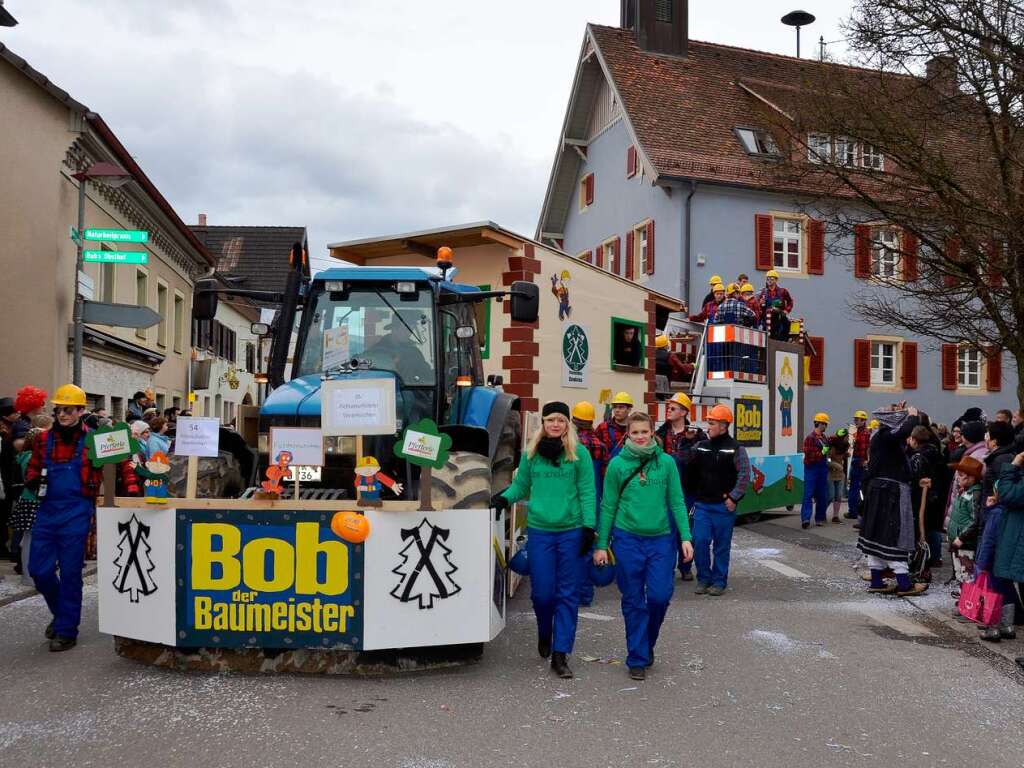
<point x="940" y="72"/>
<point x="660" y="26"/>
<point x="202" y="219"/>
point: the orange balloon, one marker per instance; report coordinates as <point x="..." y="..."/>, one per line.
<point x="351" y="526"/>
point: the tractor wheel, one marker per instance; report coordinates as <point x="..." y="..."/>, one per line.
<point x="463" y="483"/>
<point x="506" y="455"/>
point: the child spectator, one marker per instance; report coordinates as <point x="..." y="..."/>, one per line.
<point x="966" y="519"/>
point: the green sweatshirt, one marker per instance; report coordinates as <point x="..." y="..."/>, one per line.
<point x="560" y="498"/>
<point x="642" y="508"/>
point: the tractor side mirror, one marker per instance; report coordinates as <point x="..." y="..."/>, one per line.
<point x="525" y="302"/>
<point x="204" y="300"/>
<point x="259" y="329"/>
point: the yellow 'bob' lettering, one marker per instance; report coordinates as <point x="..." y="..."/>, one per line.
<point x="309" y="547"/>
<point x="204" y="556"/>
<point x="282" y="565"/>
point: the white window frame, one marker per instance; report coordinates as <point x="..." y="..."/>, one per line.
<point x="608" y="255"/>
<point x="788" y="237"/>
<point x="640" y="250"/>
<point x="760" y="144"/>
<point x="885" y="253"/>
<point x="846" y="151"/>
<point x="878" y="353"/>
<point x="162" y="326"/>
<point x="814" y="144"/>
<point x="964" y="374"/>
<point x="180" y="327"/>
<point x="877" y="162"/>
<point x="583" y="192"/>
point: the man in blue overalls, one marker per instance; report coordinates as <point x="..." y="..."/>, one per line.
<point x="67" y="486"/>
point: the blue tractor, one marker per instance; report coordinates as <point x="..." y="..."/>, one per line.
<point x="411" y="324"/>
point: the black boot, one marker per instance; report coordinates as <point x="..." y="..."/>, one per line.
<point x="49" y="631"/>
<point x="544" y="647"/>
<point x="559" y="665"/>
<point x="59" y="643"/>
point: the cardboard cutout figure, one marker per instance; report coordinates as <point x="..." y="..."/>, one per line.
<point x="369" y="479"/>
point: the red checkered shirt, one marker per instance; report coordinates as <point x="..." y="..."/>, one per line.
<point x="92" y="477"/>
<point x="597" y="450"/>
<point x="813" y="444"/>
<point x="611" y="434"/>
<point x="860" y="444"/>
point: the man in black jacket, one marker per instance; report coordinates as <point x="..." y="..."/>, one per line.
<point x="1001" y="450"/>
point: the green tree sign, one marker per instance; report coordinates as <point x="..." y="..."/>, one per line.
<point x="111" y="445"/>
<point x="423" y="444"/>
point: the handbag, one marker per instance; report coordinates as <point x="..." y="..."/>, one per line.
<point x="23" y="514"/>
<point x="979" y="602"/>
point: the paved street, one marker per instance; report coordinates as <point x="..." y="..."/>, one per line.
<point x="795" y="665"/>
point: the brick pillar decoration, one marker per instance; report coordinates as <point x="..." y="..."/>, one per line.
<point x="522" y="349"/>
<point x="650" y="388"/>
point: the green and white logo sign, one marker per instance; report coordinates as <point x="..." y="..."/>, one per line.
<point x="575" y="356"/>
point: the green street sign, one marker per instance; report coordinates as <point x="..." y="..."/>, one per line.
<point x="118" y="235"/>
<point x="116" y="257"/>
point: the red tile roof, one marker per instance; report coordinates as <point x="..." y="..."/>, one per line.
<point x="684" y="110"/>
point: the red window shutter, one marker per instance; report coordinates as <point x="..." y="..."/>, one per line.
<point x="617" y="256"/>
<point x="949" y="356"/>
<point x="910" y="365"/>
<point x="995" y="270"/>
<point x="650" y="247"/>
<point x="816" y="368"/>
<point x="630" y="238"/>
<point x="952" y="257"/>
<point x="909" y="247"/>
<point x="588" y="192"/>
<point x="815" y="247"/>
<point x="862" y="251"/>
<point x="587" y="257"/>
<point x="763" y="242"/>
<point x="994" y="369"/>
<point x="861" y="363"/>
<point x="631" y="162"/>
<point x="599" y="257"/>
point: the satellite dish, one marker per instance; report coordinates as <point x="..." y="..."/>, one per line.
<point x="798" y="19"/>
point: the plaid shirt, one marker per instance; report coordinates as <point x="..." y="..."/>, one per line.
<point x="813" y="444"/>
<point x="611" y="434"/>
<point x="734" y="312"/>
<point x="768" y="297"/>
<point x="92" y="477"/>
<point x="595" y="447"/>
<point x="860" y="444"/>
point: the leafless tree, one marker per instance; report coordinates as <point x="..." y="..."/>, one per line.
<point x="918" y="153"/>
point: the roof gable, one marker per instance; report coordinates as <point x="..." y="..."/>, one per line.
<point x="256" y="255"/>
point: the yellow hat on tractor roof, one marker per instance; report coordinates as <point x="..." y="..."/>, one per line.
<point x="622" y="398"/>
<point x="680" y="398"/>
<point x="661" y="341"/>
<point x="583" y="411"/>
<point x="860" y="415"/>
<point x="772" y="273"/>
<point x="731" y="288"/>
<point x="747" y="288"/>
<point x="821" y="417"/>
<point x="715" y="279"/>
<point x="874" y="424"/>
<point x="69" y="394"/>
<point x="717" y="287"/>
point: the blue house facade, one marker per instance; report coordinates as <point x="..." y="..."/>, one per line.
<point x="661" y="176"/>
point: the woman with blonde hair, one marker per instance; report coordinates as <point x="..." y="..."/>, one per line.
<point x="556" y="475"/>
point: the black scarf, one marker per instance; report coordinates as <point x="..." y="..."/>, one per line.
<point x="550" y="448"/>
<point x="68" y="434"/>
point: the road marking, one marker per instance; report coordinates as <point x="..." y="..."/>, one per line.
<point x="894" y="621"/>
<point x="785" y="570"/>
<point x="594" y="616"/>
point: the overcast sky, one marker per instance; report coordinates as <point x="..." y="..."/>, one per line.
<point x="354" y="118"/>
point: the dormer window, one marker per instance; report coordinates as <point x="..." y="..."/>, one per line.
<point x="757" y="141"/>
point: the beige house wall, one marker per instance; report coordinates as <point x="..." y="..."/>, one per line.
<point x="43" y="139"/>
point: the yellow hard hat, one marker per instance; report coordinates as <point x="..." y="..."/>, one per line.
<point x="874" y="424"/>
<point x="715" y="279"/>
<point x="661" y="341"/>
<point x="368" y="461"/>
<point x="69" y="394"/>
<point x="731" y="288"/>
<point x="772" y="273"/>
<point x="860" y="415"/>
<point x="565" y="274"/>
<point x="583" y="411"/>
<point x="622" y="398"/>
<point x="822" y="417"/>
<point x="680" y="398"/>
<point x="747" y="288"/>
<point x="717" y="287"/>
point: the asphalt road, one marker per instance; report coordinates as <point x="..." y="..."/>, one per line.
<point x="796" y="665"/>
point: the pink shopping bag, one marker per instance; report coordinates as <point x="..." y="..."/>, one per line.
<point x="979" y="602"/>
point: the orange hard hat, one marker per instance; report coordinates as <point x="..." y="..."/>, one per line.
<point x="720" y="413"/>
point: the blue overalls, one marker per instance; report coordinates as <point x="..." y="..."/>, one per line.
<point x="555" y="583"/>
<point x="586" y="585"/>
<point x="58" y="539"/>
<point x="815" y="492"/>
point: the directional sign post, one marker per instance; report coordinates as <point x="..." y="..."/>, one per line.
<point x="117" y="235"/>
<point x="116" y="257"/>
<point x="119" y="315"/>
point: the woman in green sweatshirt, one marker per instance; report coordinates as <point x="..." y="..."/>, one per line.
<point x="556" y="475"/>
<point x="641" y="489"/>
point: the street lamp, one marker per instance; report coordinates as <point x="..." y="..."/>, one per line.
<point x="113" y="176"/>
